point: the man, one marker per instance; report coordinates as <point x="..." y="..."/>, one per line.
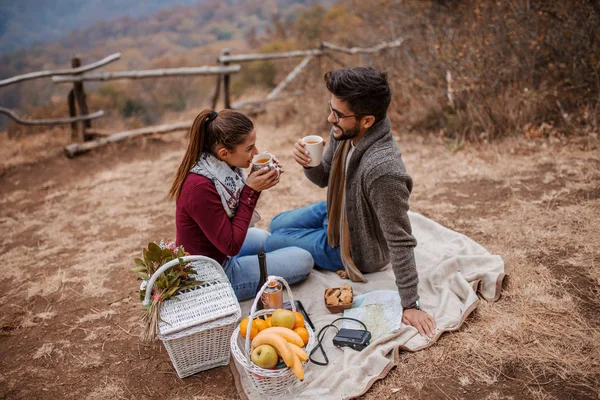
<point x="364" y="224"/>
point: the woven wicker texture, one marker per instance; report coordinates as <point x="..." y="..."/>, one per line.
<point x="270" y="382"/>
<point x="198" y="350"/>
<point x="195" y="307"/>
<point x="210" y="271"/>
<point x="195" y="326"/>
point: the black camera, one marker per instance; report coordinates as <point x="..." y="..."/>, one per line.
<point x="353" y="338"/>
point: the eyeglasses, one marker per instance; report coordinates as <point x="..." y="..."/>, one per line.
<point x="338" y="115"/>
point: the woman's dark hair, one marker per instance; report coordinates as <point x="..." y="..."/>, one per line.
<point x="365" y="89"/>
<point x="228" y="128"/>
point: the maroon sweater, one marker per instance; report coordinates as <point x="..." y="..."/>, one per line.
<point x="203" y="227"/>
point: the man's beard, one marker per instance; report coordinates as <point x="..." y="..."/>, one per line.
<point x="349" y="134"/>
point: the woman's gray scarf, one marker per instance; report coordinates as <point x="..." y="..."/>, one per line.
<point x="228" y="181"/>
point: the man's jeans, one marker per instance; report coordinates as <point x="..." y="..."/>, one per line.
<point x="291" y="263"/>
<point x="305" y="228"/>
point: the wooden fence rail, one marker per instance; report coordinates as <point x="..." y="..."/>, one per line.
<point x="55" y="121"/>
<point x="76" y="148"/>
<point x="71" y="71"/>
<point x="359" y="50"/>
<point x="150" y="73"/>
<point x="268" y="56"/>
<point x="325" y="50"/>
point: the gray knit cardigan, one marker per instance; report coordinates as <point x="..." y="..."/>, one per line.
<point x="376" y="204"/>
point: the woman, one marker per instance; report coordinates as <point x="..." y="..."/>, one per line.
<point x="216" y="202"/>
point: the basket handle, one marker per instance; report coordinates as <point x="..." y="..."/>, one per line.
<point x="165" y="267"/>
<point x="270" y="279"/>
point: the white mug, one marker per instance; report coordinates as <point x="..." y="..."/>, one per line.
<point x="314" y="145"/>
<point x="265" y="159"/>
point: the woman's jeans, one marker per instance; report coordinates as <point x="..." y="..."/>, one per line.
<point x="305" y="228"/>
<point x="291" y="263"/>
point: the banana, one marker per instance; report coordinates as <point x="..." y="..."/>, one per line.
<point x="297" y="368"/>
<point x="288" y="334"/>
<point x="299" y="352"/>
<point x="281" y="346"/>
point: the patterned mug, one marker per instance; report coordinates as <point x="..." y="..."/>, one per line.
<point x="265" y="159"/>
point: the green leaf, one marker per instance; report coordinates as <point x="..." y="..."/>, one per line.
<point x="153" y="247"/>
<point x="138" y="269"/>
<point x="143" y="275"/>
<point x="182" y="262"/>
<point x="191" y="284"/>
<point x="167" y="254"/>
<point x="154" y="252"/>
<point x="164" y="281"/>
<point x="172" y="291"/>
<point x="139" y="261"/>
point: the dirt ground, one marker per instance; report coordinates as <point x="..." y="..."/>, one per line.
<point x="69" y="308"/>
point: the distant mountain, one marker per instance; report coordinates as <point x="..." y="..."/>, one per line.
<point x="27" y="22"/>
<point x="176" y="36"/>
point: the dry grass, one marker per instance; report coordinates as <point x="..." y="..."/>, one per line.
<point x="541" y="339"/>
<point x="534" y="202"/>
<point x="19" y="151"/>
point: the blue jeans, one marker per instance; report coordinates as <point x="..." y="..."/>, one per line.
<point x="306" y="228"/>
<point x="291" y="263"/>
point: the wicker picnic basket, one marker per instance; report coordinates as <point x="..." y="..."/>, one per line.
<point x="269" y="382"/>
<point x="195" y="326"/>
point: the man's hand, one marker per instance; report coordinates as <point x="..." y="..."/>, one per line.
<point x="301" y="154"/>
<point x="424" y="323"/>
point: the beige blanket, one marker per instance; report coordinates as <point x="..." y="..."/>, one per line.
<point x="452" y="268"/>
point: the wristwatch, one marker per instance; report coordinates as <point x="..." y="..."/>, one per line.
<point x="415" y="306"/>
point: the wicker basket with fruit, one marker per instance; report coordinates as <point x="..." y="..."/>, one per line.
<point x="272" y="346"/>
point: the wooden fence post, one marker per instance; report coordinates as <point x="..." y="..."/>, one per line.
<point x="226" y="77"/>
<point x="320" y="60"/>
<point x="79" y="95"/>
<point x="73" y="113"/>
<point x="215" y="98"/>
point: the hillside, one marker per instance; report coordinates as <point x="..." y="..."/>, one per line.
<point x="176" y="36"/>
<point x="27" y="22"/>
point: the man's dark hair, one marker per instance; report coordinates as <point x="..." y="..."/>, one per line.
<point x="365" y="89"/>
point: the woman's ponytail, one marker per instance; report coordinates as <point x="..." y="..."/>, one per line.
<point x="195" y="147"/>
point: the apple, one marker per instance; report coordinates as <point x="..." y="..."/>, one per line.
<point x="284" y="318"/>
<point x="264" y="356"/>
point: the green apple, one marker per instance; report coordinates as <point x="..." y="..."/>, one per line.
<point x="264" y="356"/>
<point x="284" y="318"/>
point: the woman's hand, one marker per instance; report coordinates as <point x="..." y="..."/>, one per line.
<point x="263" y="179"/>
<point x="280" y="165"/>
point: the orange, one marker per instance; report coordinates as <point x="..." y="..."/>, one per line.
<point x="299" y="320"/>
<point x="260" y="324"/>
<point x="303" y="334"/>
<point x="244" y="328"/>
<point x="268" y="321"/>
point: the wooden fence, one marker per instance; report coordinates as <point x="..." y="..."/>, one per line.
<point x="80" y="118"/>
